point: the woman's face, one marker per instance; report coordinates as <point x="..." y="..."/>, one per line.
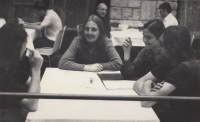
<point x="149" y="39"/>
<point x="91" y="31"/>
<point x="23" y="48"/>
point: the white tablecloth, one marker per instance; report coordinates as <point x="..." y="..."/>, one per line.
<point x="32" y="34"/>
<point x="118" y="37"/>
<point x="72" y="82"/>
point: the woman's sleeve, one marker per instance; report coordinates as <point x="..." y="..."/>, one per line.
<point x="115" y="61"/>
<point x="67" y="62"/>
<point x="131" y="69"/>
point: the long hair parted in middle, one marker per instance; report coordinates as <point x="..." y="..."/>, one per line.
<point x="99" y="44"/>
<point x="177" y="43"/>
<point x="99" y="23"/>
<point x="156" y="27"/>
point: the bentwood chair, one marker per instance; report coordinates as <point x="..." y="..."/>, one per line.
<point x="79" y="29"/>
<point x="49" y="51"/>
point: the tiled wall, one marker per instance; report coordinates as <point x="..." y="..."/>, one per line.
<point x="137" y="11"/>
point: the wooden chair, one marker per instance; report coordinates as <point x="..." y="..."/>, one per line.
<point x="48" y="51"/>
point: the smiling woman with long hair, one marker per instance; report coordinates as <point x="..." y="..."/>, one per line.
<point x="149" y="56"/>
<point x="93" y="51"/>
<point x="181" y="80"/>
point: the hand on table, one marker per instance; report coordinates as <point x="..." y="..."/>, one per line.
<point x="127" y="44"/>
<point x="93" y="67"/>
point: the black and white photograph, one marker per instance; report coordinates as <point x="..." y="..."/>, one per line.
<point x="99" y="60"/>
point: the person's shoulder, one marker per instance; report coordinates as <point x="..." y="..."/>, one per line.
<point x="76" y="39"/>
<point x="192" y="64"/>
<point x="168" y="16"/>
<point x="108" y="41"/>
<point x="51" y="12"/>
<point x="171" y="17"/>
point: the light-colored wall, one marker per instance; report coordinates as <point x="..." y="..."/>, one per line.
<point x="134" y="12"/>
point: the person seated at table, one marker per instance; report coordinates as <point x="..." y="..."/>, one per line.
<point x="102" y="12"/>
<point x="178" y="75"/>
<point x="148" y="57"/>
<point x="92" y="51"/>
<point x="51" y="25"/>
<point x="13" y="74"/>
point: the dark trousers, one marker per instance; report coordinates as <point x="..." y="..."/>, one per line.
<point x="42" y="42"/>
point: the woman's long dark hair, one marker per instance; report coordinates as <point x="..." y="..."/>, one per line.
<point x="177" y="43"/>
<point x="12" y="36"/>
<point x="156" y="27"/>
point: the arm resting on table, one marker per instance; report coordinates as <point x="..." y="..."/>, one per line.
<point x="164" y="91"/>
<point x="138" y="85"/>
<point x="67" y="62"/>
<point x="114" y="58"/>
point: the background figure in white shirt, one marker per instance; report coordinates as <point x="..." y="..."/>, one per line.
<point x="168" y="18"/>
<point x="51" y="25"/>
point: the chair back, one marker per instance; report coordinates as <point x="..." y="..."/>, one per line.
<point x="191" y="39"/>
<point x="59" y="39"/>
<point x="79" y="29"/>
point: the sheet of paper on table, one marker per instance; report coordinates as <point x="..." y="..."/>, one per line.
<point x="119" y="85"/>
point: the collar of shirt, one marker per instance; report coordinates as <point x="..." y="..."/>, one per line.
<point x="168" y="17"/>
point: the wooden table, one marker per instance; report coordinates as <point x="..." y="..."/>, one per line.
<point x="73" y="82"/>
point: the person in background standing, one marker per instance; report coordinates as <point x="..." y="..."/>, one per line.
<point x="168" y="18"/>
<point x="102" y="12"/>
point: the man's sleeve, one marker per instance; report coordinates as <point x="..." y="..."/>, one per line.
<point x="47" y="21"/>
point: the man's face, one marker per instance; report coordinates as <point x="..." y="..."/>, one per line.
<point x="91" y="31"/>
<point x="162" y="13"/>
<point x="102" y="10"/>
<point x="40" y="13"/>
